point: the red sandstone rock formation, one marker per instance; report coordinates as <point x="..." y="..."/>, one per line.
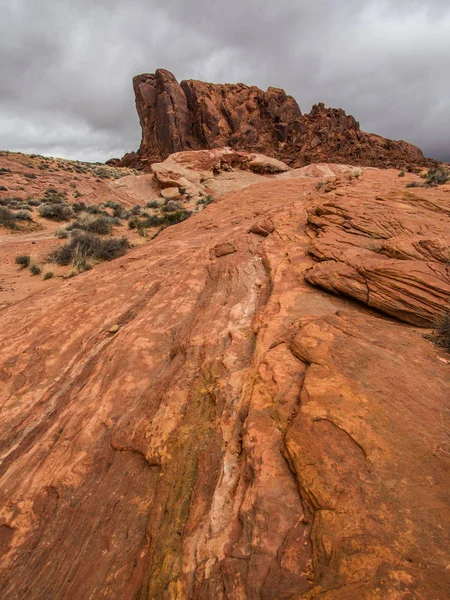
<point x="195" y="421"/>
<point x="195" y="115"/>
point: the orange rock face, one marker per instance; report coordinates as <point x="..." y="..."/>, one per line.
<point x="194" y="420"/>
<point x="390" y="252"/>
<point x="195" y="115"/>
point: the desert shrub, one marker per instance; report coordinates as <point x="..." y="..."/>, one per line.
<point x="61" y="233"/>
<point x="3" y="188"/>
<point x="30" y="175"/>
<point x="115" y="221"/>
<point x="4" y="170"/>
<point x="416" y="184"/>
<point x="14" y="201"/>
<point x="166" y="219"/>
<point x="23" y="260"/>
<point x="78" y="194"/>
<point x="401" y="174"/>
<point x="172" y="206"/>
<point x="93" y="209"/>
<point x="24" y="206"/>
<point x="23" y="215"/>
<point x="35" y="269"/>
<point x="136" y="210"/>
<point x="84" y="246"/>
<point x="437" y="176"/>
<point x="133" y="222"/>
<point x="47" y="275"/>
<point x="177" y="217"/>
<point x="102" y="172"/>
<point x="7" y="218"/>
<point x="206" y="200"/>
<point x="55" y="212"/>
<point x="111" y="204"/>
<point x="54" y="196"/>
<point x="441" y="335"/>
<point x="433" y="178"/>
<point x="79" y="206"/>
<point x="117" y="208"/>
<point x="92" y="223"/>
<point x="153" y="204"/>
<point x="34" y="202"/>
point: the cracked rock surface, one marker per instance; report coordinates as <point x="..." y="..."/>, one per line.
<point x="243" y="434"/>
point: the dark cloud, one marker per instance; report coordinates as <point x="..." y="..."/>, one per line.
<point x="66" y="66"/>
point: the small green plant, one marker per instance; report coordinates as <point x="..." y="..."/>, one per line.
<point x="401" y="174"/>
<point x="23" y="260"/>
<point x="47" y="275"/>
<point x="30" y="175"/>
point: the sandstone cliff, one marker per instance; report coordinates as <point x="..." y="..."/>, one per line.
<point x="241" y="433"/>
<point x="195" y="115"/>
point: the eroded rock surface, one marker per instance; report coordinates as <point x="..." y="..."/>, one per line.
<point x="240" y="433"/>
<point x="391" y="252"/>
<point x="195" y="115"/>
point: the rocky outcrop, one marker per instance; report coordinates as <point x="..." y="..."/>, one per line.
<point x="195" y="421"/>
<point x="195" y="115"/>
<point x="199" y="172"/>
<point x="332" y="136"/>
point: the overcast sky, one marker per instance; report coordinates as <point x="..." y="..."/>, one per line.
<point x="66" y="66"/>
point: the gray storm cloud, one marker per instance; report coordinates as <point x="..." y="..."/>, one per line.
<point x="66" y="68"/>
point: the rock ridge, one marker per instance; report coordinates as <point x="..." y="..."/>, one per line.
<point x="195" y="115"/>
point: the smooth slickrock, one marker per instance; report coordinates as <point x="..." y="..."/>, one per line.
<point x="195" y="115"/>
<point x="242" y="434"/>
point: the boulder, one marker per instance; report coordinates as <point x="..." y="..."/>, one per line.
<point x="170" y="193"/>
